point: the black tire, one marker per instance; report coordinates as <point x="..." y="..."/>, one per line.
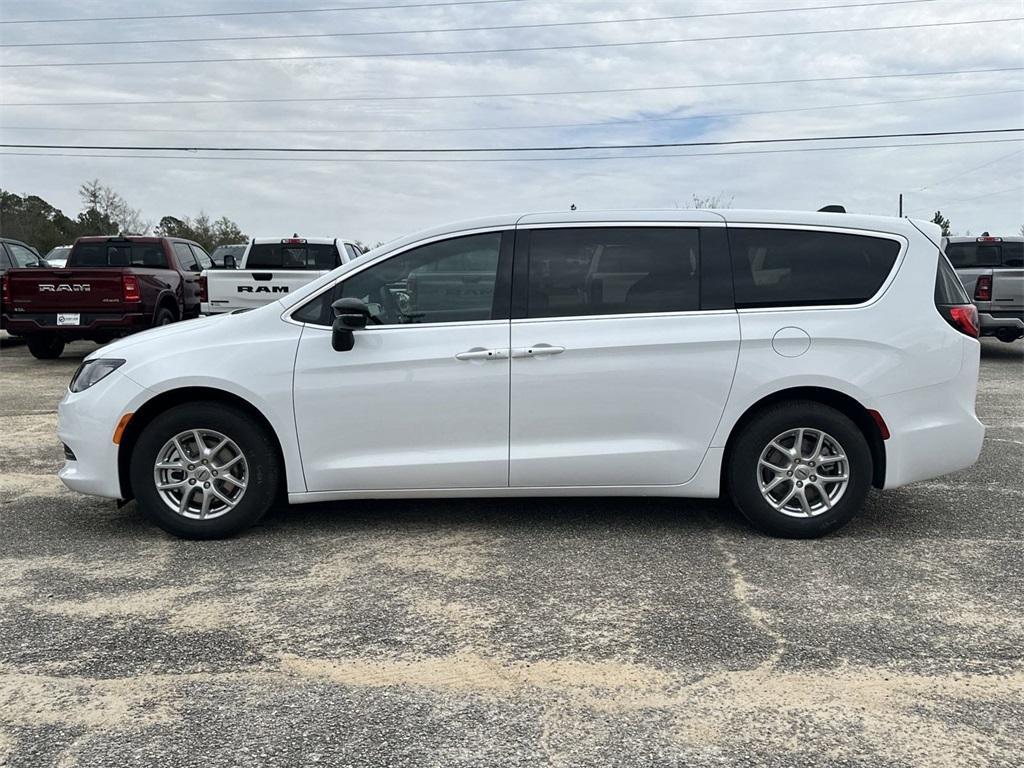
<point x="744" y="479"/>
<point x="263" y="475"/>
<point x="1007" y="335"/>
<point x="164" y="316"/>
<point x="45" y="346"/>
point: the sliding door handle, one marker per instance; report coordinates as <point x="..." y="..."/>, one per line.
<point x="479" y="353"/>
<point x="537" y="350"/>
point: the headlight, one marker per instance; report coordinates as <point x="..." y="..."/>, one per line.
<point x="93" y="371"/>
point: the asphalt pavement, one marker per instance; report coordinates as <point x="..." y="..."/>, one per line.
<point x="526" y="632"/>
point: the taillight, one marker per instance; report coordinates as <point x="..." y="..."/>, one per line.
<point x="6" y="281"/>
<point x="130" y="288"/>
<point x="965" y="319"/>
<point x="203" y="296"/>
<point x="983" y="288"/>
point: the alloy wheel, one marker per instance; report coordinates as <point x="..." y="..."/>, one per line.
<point x="200" y="474"/>
<point x="803" y="472"/>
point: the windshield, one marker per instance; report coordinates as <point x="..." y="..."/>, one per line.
<point x="226" y="250"/>
<point x="60" y="252"/>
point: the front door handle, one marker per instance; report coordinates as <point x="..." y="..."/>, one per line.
<point x="479" y="353"/>
<point x="537" y="350"/>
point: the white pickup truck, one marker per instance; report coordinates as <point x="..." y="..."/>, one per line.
<point x="270" y="268"/>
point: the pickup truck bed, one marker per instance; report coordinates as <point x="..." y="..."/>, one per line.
<point x="992" y="271"/>
<point x="271" y="268"/>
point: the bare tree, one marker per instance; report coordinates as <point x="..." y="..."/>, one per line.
<point x="712" y="201"/>
<point x="103" y="203"/>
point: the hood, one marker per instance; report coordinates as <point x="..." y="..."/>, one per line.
<point x="184" y="331"/>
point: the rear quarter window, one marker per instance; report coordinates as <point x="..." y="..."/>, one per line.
<point x="793" y="268"/>
<point x="949" y="291"/>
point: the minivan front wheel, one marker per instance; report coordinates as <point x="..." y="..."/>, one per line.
<point x="204" y="471"/>
<point x="799" y="469"/>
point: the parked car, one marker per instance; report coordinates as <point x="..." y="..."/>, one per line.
<point x="111" y="287"/>
<point x="775" y="357"/>
<point x="220" y="253"/>
<point x="13" y="254"/>
<point x="992" y="271"/>
<point x="58" y="257"/>
<point x="270" y="268"/>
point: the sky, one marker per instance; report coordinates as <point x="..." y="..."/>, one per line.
<point x="382" y="100"/>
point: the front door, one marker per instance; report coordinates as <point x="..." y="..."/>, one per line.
<point x="618" y="377"/>
<point x="421" y="400"/>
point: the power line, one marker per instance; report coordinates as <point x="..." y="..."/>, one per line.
<point x="524" y="49"/>
<point x="632" y="158"/>
<point x="523" y="94"/>
<point x="504" y="27"/>
<point x="970" y="170"/>
<point x="340" y="9"/>
<point x="573" y="148"/>
<point x="987" y="194"/>
<point x="477" y="129"/>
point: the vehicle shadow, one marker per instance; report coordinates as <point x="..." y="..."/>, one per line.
<point x="582" y="513"/>
<point x="1000" y="350"/>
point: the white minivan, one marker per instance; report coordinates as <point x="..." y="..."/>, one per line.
<point x="789" y="360"/>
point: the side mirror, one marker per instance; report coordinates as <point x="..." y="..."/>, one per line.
<point x="229" y="261"/>
<point x="349" y="315"/>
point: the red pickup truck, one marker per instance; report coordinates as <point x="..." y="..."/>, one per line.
<point x="110" y="287"/>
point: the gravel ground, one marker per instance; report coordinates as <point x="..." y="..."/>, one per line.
<point x="561" y="632"/>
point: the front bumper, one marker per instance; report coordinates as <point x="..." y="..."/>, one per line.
<point x="85" y="424"/>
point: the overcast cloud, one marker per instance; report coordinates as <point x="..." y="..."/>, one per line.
<point x="979" y="186"/>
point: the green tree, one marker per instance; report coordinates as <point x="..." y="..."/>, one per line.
<point x="34" y="221"/>
<point x="943" y="223"/>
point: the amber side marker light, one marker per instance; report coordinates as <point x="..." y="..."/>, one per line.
<point x="121" y="426"/>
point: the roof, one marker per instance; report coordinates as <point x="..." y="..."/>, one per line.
<point x="977" y="238"/>
<point x="890" y="224"/>
<point x="313" y="240"/>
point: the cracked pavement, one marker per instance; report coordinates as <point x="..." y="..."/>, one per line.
<point x="522" y="632"/>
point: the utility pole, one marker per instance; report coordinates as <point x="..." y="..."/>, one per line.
<point x="901" y="205"/>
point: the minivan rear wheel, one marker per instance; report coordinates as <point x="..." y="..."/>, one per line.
<point x="799" y="469"/>
<point x="204" y="471"/>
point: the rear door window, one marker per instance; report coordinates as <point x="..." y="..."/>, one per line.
<point x="792" y="268"/>
<point x="587" y="271"/>
<point x="106" y="254"/>
<point x="293" y="256"/>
